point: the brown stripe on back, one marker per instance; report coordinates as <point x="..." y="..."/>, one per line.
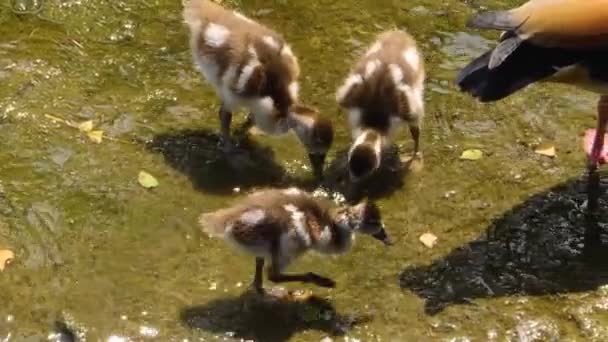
<point x="278" y="70"/>
<point x="378" y="96"/>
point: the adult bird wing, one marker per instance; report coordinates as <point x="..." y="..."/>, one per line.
<point x="552" y="23"/>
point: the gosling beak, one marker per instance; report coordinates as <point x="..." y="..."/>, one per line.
<point x="317" y="160"/>
<point x="382" y="236"/>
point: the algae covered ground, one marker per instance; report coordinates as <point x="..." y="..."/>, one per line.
<point x="99" y="257"/>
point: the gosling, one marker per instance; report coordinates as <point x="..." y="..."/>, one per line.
<point x="252" y="67"/>
<point x="280" y="225"/>
<point x="384" y="89"/>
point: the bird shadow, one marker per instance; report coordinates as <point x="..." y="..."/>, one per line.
<point x="196" y="153"/>
<point x="268" y="318"/>
<point x="388" y="179"/>
<point x="547" y="245"/>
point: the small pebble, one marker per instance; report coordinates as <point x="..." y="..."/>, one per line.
<point x="327" y="339"/>
<point x="213" y="286"/>
<point x="144" y="313"/>
<point x="10" y="318"/>
<point x="124" y="317"/>
<point x="148" y="331"/>
<point x="449" y="194"/>
<point x="239" y="284"/>
<point x="236" y="190"/>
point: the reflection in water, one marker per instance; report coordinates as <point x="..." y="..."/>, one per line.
<point x="536" y="248"/>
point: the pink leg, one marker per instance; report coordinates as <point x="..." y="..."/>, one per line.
<point x="597" y="157"/>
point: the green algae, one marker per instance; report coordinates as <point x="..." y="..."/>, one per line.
<point x="106" y="257"/>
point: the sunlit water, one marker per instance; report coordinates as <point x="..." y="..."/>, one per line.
<point x="100" y="258"/>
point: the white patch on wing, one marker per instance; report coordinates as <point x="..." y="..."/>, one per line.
<point x="262" y="109"/>
<point x="262" y="106"/>
<point x="253" y="217"/>
<point x="241" y="16"/>
<point x="286" y="51"/>
<point x="415" y="98"/>
<point x="396" y="73"/>
<point x="374" y="48"/>
<point x="246" y="73"/>
<point x="371" y="67"/>
<point x="272" y="42"/>
<point x="412" y="58"/>
<point x="299" y="223"/>
<point x="294" y="89"/>
<point x="350" y="81"/>
<point x="216" y="35"/>
<point x="293" y="191"/>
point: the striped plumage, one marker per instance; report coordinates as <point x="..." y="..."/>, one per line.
<point x="282" y="224"/>
<point x="384" y="89"/>
<point x="251" y="66"/>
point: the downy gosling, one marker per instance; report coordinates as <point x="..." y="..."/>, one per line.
<point x="279" y="225"/>
<point x="384" y="89"/>
<point x="250" y="66"/>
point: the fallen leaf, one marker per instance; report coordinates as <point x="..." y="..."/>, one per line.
<point x="428" y="239"/>
<point x="545" y="150"/>
<point x="147" y="180"/>
<point x="86" y="126"/>
<point x="95" y="136"/>
<point x="471" y="155"/>
<point x="5" y="257"/>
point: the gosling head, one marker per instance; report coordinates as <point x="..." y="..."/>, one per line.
<point x="315" y="132"/>
<point x="365" y="218"/>
<point x="365" y="155"/>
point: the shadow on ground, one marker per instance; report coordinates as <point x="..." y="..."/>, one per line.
<point x="267" y="319"/>
<point x="543" y="246"/>
<point x="196" y="154"/>
<point x="384" y="182"/>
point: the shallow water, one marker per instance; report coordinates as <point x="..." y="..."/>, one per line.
<point x="100" y="258"/>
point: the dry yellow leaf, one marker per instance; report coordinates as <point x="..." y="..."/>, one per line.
<point x="5" y="257"/>
<point x="473" y="154"/>
<point x="95" y="136"/>
<point x="546" y="150"/>
<point x="86" y="126"/>
<point x="428" y="239"/>
<point x="147" y="180"/>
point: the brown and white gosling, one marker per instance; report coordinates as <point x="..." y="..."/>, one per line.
<point x="384" y="89"/>
<point x="282" y="224"/>
<point x="252" y="67"/>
